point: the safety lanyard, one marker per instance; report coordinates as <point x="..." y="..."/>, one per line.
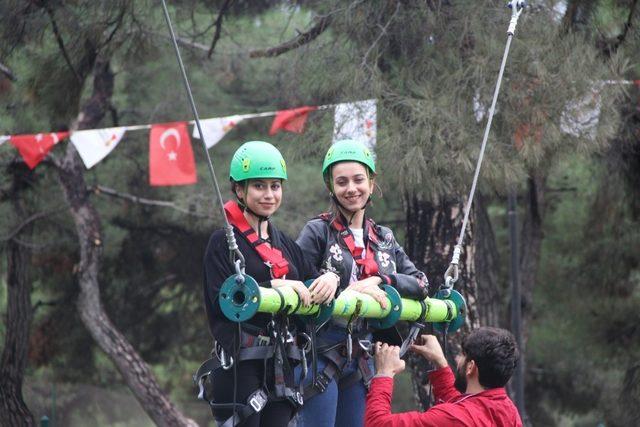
<point x="368" y="265"/>
<point x="270" y="255"/>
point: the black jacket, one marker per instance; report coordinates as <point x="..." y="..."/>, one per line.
<point x="218" y="267"/>
<point x="325" y="248"/>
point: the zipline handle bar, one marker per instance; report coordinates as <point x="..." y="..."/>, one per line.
<point x="241" y="298"/>
<point x="452" y="273"/>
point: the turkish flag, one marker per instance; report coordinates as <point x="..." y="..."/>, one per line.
<point x="170" y="155"/>
<point x="291" y="120"/>
<point x="34" y="148"/>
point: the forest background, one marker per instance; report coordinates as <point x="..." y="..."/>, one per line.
<point x="101" y="274"/>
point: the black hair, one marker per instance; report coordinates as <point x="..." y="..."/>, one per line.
<point x="494" y="352"/>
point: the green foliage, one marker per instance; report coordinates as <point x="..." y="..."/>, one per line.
<point x="586" y="336"/>
<point x="425" y="62"/>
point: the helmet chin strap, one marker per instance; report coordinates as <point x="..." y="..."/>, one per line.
<point x="342" y="208"/>
<point x="261" y="218"/>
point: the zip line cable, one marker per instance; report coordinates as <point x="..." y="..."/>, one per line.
<point x="231" y="240"/>
<point x="234" y="252"/>
<point x="451" y="275"/>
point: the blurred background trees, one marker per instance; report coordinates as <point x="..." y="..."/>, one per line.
<point x="432" y="67"/>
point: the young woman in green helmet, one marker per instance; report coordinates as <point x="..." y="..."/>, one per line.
<point x="365" y="256"/>
<point x="246" y="353"/>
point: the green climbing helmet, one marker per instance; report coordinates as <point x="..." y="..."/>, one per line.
<point x="347" y="150"/>
<point x="257" y="159"/>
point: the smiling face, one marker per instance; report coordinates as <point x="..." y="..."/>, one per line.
<point x="263" y="196"/>
<point x="351" y="185"/>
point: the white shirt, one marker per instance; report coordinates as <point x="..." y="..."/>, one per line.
<point x="358" y="237"/>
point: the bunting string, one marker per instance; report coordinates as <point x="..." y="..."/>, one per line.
<point x="171" y="160"/>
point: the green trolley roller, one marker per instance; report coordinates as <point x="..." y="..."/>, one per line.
<point x="241" y="298"/>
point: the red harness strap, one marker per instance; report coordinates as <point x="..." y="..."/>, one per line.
<point x="271" y="256"/>
<point x="368" y="264"/>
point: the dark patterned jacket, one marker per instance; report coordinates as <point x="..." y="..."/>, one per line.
<point x="324" y="245"/>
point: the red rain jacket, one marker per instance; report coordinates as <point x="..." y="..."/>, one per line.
<point x="491" y="407"/>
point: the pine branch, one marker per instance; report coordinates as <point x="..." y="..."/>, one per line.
<point x="56" y="33"/>
<point x="100" y="189"/>
<point x="51" y="303"/>
<point x="627" y="27"/>
<point x="382" y="33"/>
<point x="182" y="41"/>
<point x="218" y="24"/>
<point x="286" y="26"/>
<point x="7" y="72"/>
<point x="302" y="39"/>
<point x="32" y="218"/>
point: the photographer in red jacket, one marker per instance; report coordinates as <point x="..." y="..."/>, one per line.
<point x="489" y="357"/>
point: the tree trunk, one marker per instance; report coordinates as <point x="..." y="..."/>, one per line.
<point x="630" y="396"/>
<point x="13" y="410"/>
<point x="531" y="244"/>
<point x="432" y="232"/>
<point x="486" y="259"/>
<point x="133" y="369"/>
<point x="577" y="13"/>
<point x="530" y="250"/>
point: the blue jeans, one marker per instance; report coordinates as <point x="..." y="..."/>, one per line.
<point x="335" y="406"/>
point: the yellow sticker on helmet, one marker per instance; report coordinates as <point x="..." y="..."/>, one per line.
<point x="284" y="165"/>
<point x="246" y="162"/>
<point x="330" y="152"/>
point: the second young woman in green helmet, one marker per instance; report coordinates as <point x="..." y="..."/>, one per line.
<point x="365" y="256"/>
<point x="257" y="172"/>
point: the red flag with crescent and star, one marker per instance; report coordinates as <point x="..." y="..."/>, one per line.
<point x="34" y="148"/>
<point x="171" y="159"/>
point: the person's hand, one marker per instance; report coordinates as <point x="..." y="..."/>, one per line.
<point x="430" y="349"/>
<point x="323" y="289"/>
<point x="370" y="287"/>
<point x="387" y="359"/>
<point x="298" y="286"/>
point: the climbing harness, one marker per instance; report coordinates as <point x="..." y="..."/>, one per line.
<point x="277" y="345"/>
<point x="367" y="264"/>
<point x="270" y="255"/>
<point x="349" y="329"/>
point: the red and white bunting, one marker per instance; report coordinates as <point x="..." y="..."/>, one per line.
<point x="215" y="129"/>
<point x="34" y="148"/>
<point x="95" y="144"/>
<point x="171" y="159"/>
<point x="291" y="120"/>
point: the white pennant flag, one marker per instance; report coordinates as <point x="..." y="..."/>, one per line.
<point x="215" y="129"/>
<point x="94" y="145"/>
<point x="356" y="120"/>
<point x="4" y="138"/>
